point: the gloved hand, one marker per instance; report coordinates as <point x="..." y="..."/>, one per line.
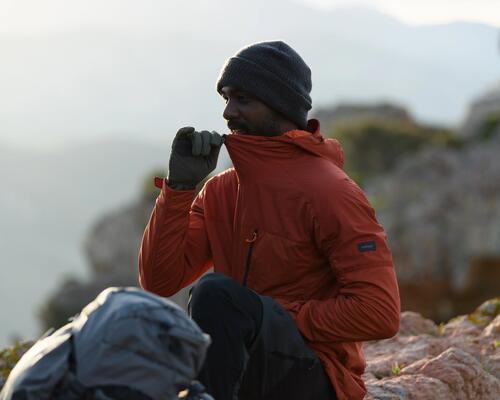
<point x="194" y="155"/>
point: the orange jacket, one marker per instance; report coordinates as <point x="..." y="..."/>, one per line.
<point x="289" y="223"/>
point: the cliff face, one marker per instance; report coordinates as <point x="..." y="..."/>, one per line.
<point x="456" y="360"/>
<point x="112" y="247"/>
<point x="485" y="107"/>
<point x="437" y="195"/>
<point x="441" y="211"/>
<point x="440" y="208"/>
<point x="345" y="114"/>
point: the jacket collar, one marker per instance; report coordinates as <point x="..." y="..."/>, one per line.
<point x="256" y="156"/>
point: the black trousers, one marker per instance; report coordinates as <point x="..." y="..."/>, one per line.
<point x="257" y="353"/>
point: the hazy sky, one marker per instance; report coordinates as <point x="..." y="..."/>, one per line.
<point x="428" y="11"/>
<point x="29" y="16"/>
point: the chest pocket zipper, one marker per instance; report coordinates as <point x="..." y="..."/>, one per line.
<point x="251" y="243"/>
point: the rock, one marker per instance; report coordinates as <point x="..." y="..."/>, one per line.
<point x="112" y="248"/>
<point x="493" y="329"/>
<point x="489" y="309"/>
<point x="460" y="326"/>
<point x="446" y="249"/>
<point x="348" y="113"/>
<point x="415" y="387"/>
<point x="487" y="105"/>
<point x="113" y="242"/>
<point x="402" y="350"/>
<point x="412" y="323"/>
<point x="492" y="365"/>
<point x="463" y="374"/>
<point x="456" y="360"/>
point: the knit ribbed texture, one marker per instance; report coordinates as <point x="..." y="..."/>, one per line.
<point x="274" y="73"/>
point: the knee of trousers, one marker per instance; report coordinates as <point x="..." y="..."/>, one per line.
<point x="211" y="294"/>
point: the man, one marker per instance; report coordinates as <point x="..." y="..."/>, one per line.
<point x="303" y="273"/>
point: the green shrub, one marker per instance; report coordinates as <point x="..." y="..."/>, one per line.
<point x="373" y="146"/>
<point x="10" y="356"/>
<point x="489" y="128"/>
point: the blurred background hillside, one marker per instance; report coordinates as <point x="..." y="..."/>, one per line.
<point x="92" y="92"/>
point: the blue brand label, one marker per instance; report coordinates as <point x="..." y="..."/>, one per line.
<point x="367" y="246"/>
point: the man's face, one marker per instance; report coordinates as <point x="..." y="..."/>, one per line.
<point x="248" y="116"/>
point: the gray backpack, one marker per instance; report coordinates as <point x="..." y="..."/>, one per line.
<point x="126" y="344"/>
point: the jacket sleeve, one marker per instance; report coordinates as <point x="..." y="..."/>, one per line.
<point x="175" y="250"/>
<point x="367" y="304"/>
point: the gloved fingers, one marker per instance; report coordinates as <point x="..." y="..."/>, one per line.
<point x="205" y="143"/>
<point x="215" y="139"/>
<point x="213" y="156"/>
<point x="182" y="141"/>
<point x="184" y="132"/>
<point x="200" y="142"/>
<point x="197" y="143"/>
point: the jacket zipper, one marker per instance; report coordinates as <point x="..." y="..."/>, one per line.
<point x="251" y="243"/>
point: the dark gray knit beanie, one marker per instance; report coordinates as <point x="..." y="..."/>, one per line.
<point x="274" y="73"/>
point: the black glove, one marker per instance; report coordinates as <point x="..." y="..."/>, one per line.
<point x="194" y="155"/>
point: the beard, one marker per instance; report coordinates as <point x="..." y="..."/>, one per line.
<point x="238" y="126"/>
<point x="270" y="127"/>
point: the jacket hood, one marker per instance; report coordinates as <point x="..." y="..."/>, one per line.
<point x="285" y="146"/>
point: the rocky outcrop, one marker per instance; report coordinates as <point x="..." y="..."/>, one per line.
<point x="375" y="137"/>
<point x="343" y="114"/>
<point x="112" y="247"/>
<point x="483" y="109"/>
<point x="457" y="360"/>
<point x="441" y="211"/>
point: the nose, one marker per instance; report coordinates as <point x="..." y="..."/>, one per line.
<point x="231" y="111"/>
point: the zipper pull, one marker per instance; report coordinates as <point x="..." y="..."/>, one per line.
<point x="251" y="243"/>
<point x="254" y="236"/>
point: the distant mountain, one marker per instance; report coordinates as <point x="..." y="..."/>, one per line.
<point x="113" y="99"/>
<point x="161" y="75"/>
<point x="48" y="204"/>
